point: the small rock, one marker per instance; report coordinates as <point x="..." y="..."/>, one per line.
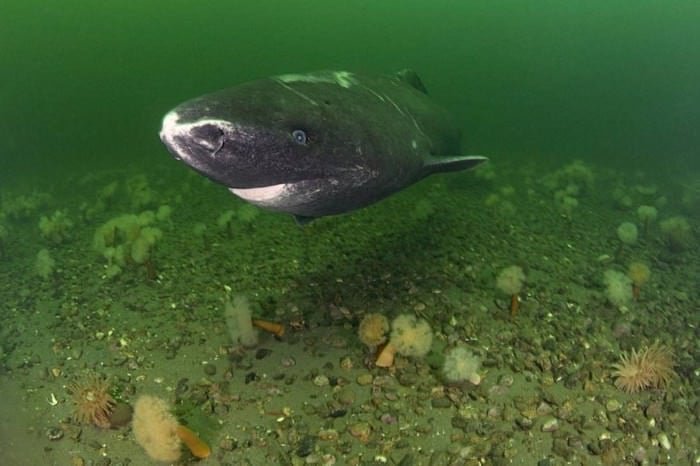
<point x="574" y="442"/>
<point x="544" y="408"/>
<point x="654" y="410"/>
<point x="364" y="379"/>
<point x="525" y="423"/>
<point x="640" y="455"/>
<point x="338" y="412"/>
<point x="440" y="403"/>
<point x="560" y="448"/>
<point x="361" y="431"/>
<point x="550" y="425"/>
<point x="288" y="362"/>
<point x="321" y="381"/>
<point x="54" y="433"/>
<point x="346" y="363"/>
<point x="121" y="415"/>
<point x="346" y="396"/>
<point x="613" y="405"/>
<point x="227" y="444"/>
<point x="328" y="435"/>
<point x="306" y="446"/>
<point x="506" y="380"/>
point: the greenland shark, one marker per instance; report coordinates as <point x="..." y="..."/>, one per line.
<point x="316" y="144"/>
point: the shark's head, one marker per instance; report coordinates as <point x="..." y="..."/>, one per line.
<point x="264" y="134"/>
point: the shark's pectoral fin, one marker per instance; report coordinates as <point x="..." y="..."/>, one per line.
<point x="453" y="163"/>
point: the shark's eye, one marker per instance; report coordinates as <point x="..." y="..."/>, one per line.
<point x="299" y="136"/>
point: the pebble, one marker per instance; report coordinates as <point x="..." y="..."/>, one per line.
<point x="54" y="433"/>
<point x="288" y="362"/>
<point x="321" y="381"/>
<point x="440" y="403"/>
<point x="560" y="448"/>
<point x="640" y="455"/>
<point x="306" y="446"/>
<point x="227" y="444"/>
<point x="210" y="369"/>
<point x="525" y="423"/>
<point x="121" y="415"/>
<point x="364" y="379"/>
<point x="346" y="396"/>
<point x="346" y="363"/>
<point x="550" y="425"/>
<point x="506" y="380"/>
<point x="574" y="442"/>
<point x="613" y="405"/>
<point x="495" y="412"/>
<point x="544" y="408"/>
<point x="328" y="435"/>
<point x="654" y="410"/>
<point x="361" y="431"/>
<point x="338" y="413"/>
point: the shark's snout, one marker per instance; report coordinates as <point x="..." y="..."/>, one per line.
<point x="169" y="131"/>
<point x="190" y="141"/>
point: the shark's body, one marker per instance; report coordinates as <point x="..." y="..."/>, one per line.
<point x="316" y="144"/>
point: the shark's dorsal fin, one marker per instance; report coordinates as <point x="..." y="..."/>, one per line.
<point x="411" y="78"/>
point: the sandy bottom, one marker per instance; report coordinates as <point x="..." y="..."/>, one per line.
<point x="547" y="394"/>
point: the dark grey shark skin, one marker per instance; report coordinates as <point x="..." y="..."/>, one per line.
<point x="316" y="144"/>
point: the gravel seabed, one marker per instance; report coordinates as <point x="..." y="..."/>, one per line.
<point x="546" y="397"/>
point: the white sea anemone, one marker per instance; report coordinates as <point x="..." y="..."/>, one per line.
<point x="627" y="233"/>
<point x="462" y="365"/>
<point x="411" y="336"/>
<point x="619" y="287"/>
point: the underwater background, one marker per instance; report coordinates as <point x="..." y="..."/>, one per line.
<point x="555" y="291"/>
<point x="88" y="83"/>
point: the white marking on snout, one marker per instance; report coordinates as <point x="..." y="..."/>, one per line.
<point x="176" y="134"/>
<point x="170" y="123"/>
